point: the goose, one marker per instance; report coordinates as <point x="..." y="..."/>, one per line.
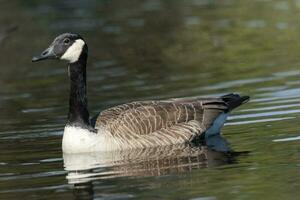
<point x="139" y="124"/>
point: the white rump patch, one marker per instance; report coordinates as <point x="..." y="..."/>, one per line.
<point x="73" y="52"/>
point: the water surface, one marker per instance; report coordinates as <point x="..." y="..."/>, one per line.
<point x="153" y="49"/>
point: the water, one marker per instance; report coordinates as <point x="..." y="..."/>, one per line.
<point x="143" y="50"/>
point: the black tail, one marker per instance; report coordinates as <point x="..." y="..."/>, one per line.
<point x="234" y="100"/>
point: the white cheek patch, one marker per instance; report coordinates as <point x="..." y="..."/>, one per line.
<point x="73" y="52"/>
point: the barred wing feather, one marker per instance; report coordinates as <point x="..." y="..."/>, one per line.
<point x="161" y="122"/>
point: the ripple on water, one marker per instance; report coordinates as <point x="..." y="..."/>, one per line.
<point x="32" y="175"/>
<point x="258" y="121"/>
<point x="26" y="134"/>
<point x="287" y="139"/>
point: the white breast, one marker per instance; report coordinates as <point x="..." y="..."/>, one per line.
<point x="79" y="140"/>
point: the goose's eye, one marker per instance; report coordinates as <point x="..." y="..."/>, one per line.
<point x="66" y="41"/>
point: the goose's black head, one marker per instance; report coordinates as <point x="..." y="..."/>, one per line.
<point x="67" y="46"/>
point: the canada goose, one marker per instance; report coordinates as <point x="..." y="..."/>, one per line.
<point x="133" y="125"/>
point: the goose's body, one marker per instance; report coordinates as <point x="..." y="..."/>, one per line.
<point x="137" y="124"/>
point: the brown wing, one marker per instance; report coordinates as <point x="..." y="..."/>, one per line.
<point x="175" y="118"/>
<point x="111" y="114"/>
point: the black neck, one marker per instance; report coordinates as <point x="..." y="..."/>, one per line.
<point x="78" y="112"/>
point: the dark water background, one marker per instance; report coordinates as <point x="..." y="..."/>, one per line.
<point x="153" y="49"/>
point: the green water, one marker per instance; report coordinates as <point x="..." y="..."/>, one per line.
<point x="143" y="50"/>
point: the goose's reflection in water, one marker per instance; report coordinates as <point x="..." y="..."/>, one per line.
<point x="84" y="168"/>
